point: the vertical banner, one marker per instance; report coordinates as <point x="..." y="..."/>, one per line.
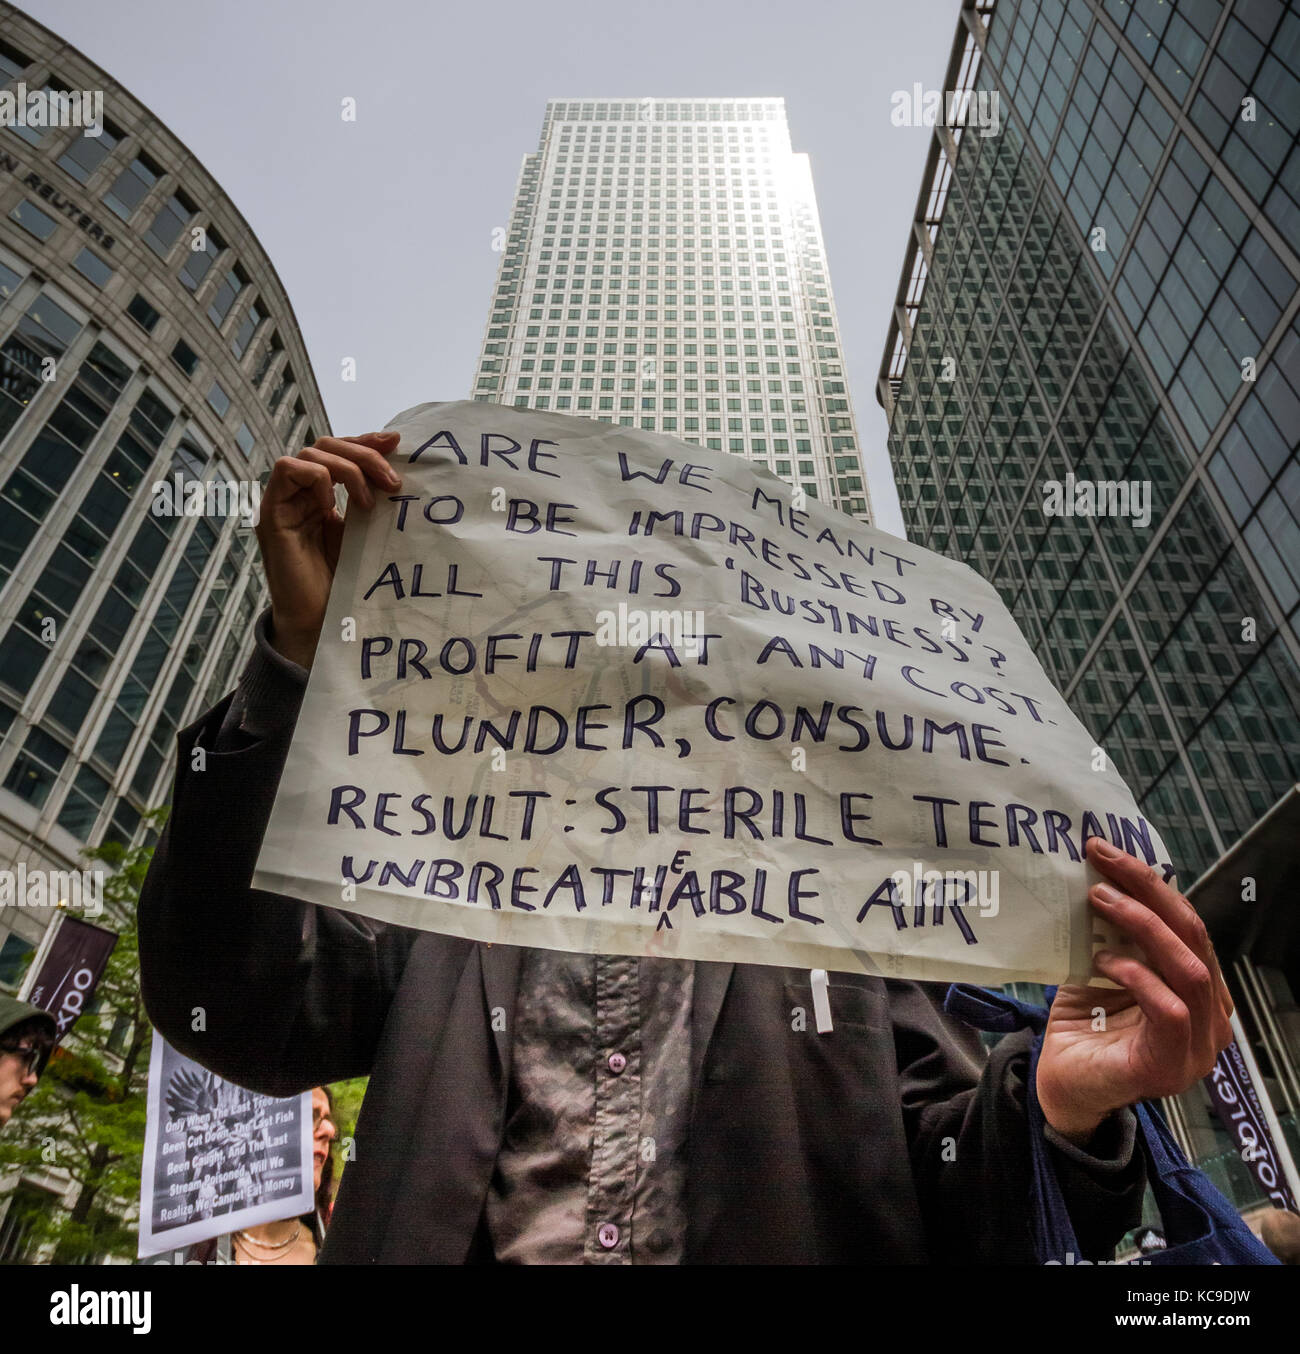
<point x="217" y="1157"/>
<point x="1236" y="1101"/>
<point x="70" y="971"/>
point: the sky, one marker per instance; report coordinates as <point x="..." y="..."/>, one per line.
<point x="381" y="229"/>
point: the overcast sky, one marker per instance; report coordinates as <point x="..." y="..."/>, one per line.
<point x="382" y="229"/>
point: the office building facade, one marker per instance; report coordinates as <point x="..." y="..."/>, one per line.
<point x="663" y="268"/>
<point x="144" y="336"/>
<point x="1092" y="382"/>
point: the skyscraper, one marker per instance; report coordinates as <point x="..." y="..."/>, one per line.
<point x="1092" y="381"/>
<point x="144" y="334"/>
<point x="663" y="268"/>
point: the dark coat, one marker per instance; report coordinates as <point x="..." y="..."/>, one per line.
<point x="891" y="1139"/>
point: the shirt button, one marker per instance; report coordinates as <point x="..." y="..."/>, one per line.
<point x="608" y="1235"/>
<point x="617" y="1062"/>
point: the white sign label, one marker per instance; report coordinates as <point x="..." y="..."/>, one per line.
<point x="593" y="689"/>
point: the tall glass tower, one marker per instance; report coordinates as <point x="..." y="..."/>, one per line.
<point x="1101" y="297"/>
<point x="663" y="269"/>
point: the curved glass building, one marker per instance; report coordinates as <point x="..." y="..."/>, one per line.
<point x="144" y="336"/>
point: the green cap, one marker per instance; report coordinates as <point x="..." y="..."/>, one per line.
<point x="14" y="1012"/>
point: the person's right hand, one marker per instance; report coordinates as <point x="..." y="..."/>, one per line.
<point x="299" y="529"/>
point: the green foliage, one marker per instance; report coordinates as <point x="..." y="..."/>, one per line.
<point x="348" y="1096"/>
<point x="86" y="1116"/>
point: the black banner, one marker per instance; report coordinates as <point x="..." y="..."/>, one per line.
<point x="1236" y="1102"/>
<point x="71" y="970"/>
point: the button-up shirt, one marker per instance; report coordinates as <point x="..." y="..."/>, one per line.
<point x="593" y="1164"/>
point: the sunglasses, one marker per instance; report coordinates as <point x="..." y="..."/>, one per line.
<point x="28" y="1054"/>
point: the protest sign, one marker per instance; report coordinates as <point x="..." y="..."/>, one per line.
<point x="595" y="689"/>
<point x="217" y="1157"/>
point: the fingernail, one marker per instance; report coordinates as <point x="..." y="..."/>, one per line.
<point x="1105" y="894"/>
<point x="391" y="480"/>
<point x="1104" y="848"/>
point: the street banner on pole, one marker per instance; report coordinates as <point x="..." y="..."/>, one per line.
<point x="1236" y="1101"/>
<point x="70" y="969"/>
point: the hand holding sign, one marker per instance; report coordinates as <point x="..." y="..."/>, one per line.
<point x="300" y="530"/>
<point x="1158" y="1034"/>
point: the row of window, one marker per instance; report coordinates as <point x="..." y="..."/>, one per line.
<point x="51" y="607"/>
<point x="755" y="448"/>
<point x="84" y="158"/>
<point x="972" y="455"/>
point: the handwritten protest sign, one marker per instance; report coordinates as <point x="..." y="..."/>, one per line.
<point x="217" y="1157"/>
<point x="598" y="690"/>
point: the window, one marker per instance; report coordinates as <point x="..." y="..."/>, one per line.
<point x="33" y="774"/>
<point x="143" y="313"/>
<point x="33" y="220"/>
<point x="185" y="357"/>
<point x="92" y="267"/>
<point x="232" y="284"/>
<point x="245" y="439"/>
<point x="243" y="335"/>
<point x="132" y="186"/>
<point x="33" y="135"/>
<point x="167" y="225"/>
<point x="9" y="281"/>
<point x="282" y="389"/>
<point x="71" y="703"/>
<point x="15" y="955"/>
<point x="197" y="263"/>
<point x="87" y="153"/>
<point x="12" y="63"/>
<point x="272" y="350"/>
<point x="218" y="399"/>
<point x="125" y="823"/>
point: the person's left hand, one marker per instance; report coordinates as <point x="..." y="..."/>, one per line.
<point x="1156" y="1035"/>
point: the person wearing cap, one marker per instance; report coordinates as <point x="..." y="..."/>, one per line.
<point x="26" y="1042"/>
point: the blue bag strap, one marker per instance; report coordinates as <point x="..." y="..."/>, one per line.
<point x="998" y="1013"/>
<point x="1201" y="1225"/>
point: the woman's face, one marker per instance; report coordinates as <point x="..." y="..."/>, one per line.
<point x="323" y="1132"/>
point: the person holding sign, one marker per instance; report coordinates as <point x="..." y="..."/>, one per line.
<point x="292" y="1240"/>
<point x="538" y="1106"/>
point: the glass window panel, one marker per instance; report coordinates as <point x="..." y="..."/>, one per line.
<point x="86" y="153"/>
<point x="33" y="220"/>
<point x="131" y="186"/>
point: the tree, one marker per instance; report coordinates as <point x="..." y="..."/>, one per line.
<point x="86" y="1117"/>
<point x="348" y="1096"/>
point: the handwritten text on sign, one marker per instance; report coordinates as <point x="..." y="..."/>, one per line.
<point x="599" y="690"/>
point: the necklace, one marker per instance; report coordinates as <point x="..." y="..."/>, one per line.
<point x="278" y="1247"/>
